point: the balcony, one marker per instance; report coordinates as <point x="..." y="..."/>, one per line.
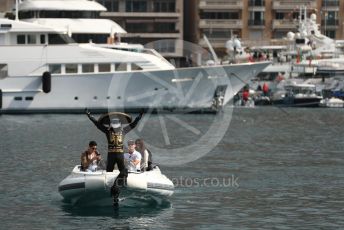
<point x="141" y="14"/>
<point x="220" y="4"/>
<point x="217" y="43"/>
<point x="284" y="24"/>
<point x="333" y="3"/>
<point x="256" y="5"/>
<point x="154" y="35"/>
<point x="291" y="4"/>
<point x="256" y="23"/>
<point x="330" y="6"/>
<point x="330" y="23"/>
<point x="221" y="24"/>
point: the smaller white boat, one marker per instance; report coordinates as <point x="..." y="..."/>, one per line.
<point x="332" y="103"/>
<point x="93" y="188"/>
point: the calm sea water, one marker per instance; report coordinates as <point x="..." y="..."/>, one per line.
<point x="271" y="169"/>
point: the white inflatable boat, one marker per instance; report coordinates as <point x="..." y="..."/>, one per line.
<point x="93" y="188"/>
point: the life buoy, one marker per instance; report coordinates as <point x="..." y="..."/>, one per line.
<point x="0" y="99"/>
<point x="46" y="82"/>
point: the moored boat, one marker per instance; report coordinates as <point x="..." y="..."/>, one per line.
<point x="53" y="74"/>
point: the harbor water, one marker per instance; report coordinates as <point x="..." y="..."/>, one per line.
<point x="271" y="168"/>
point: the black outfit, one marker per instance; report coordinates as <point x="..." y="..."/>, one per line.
<point x="115" y="143"/>
<point x="115" y="152"/>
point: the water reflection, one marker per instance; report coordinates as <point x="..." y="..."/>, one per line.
<point x="123" y="211"/>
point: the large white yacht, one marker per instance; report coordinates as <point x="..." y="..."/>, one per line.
<point x="43" y="70"/>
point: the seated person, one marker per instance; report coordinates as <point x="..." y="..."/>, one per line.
<point x="146" y="156"/>
<point x="132" y="159"/>
<point x="90" y="158"/>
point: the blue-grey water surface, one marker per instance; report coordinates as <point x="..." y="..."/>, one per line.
<point x="273" y="168"/>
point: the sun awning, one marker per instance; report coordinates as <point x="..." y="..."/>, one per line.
<point x="81" y="26"/>
<point x="69" y="5"/>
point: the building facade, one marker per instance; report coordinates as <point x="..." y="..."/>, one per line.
<point x="258" y="22"/>
<point x="6" y="6"/>
<point x="157" y="24"/>
<point x="163" y="24"/>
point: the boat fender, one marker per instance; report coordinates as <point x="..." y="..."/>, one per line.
<point x="46" y="82"/>
<point x="0" y="99"/>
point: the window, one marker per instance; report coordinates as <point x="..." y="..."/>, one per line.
<point x="71" y="68"/>
<point x="104" y="67"/>
<point x="327" y="3"/>
<point x="165" y="27"/>
<point x="87" y="68"/>
<point x="136" y="6"/>
<point x="18" y="98"/>
<point x="110" y="5"/>
<point x="3" y="70"/>
<point x="55" y="69"/>
<point x="31" y="39"/>
<point x="218" y="33"/>
<point x="135" y="67"/>
<point x="279" y="15"/>
<point x="21" y="39"/>
<point x="137" y="27"/>
<point x="165" y="46"/>
<point x="42" y="39"/>
<point x="121" y="67"/>
<point x="330" y="33"/>
<point x="165" y="6"/>
<point x="220" y="15"/>
<point x="29" y="98"/>
<point x="56" y="39"/>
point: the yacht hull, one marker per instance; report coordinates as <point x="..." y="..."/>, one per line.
<point x="186" y="89"/>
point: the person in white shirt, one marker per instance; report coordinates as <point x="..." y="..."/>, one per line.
<point x="141" y="148"/>
<point x="132" y="159"/>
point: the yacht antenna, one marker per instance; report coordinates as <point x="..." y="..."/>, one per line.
<point x="211" y="49"/>
<point x="17" y="10"/>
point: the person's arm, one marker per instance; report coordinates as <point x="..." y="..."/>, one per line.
<point x="84" y="161"/>
<point x="145" y="158"/>
<point x="133" y="124"/>
<point x="98" y="156"/>
<point x="136" y="160"/>
<point x="95" y="122"/>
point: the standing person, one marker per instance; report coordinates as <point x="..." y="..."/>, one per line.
<point x="265" y="89"/>
<point x="115" y="135"/>
<point x="146" y="161"/>
<point x="90" y="158"/>
<point x="132" y="158"/>
<point x="245" y="96"/>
